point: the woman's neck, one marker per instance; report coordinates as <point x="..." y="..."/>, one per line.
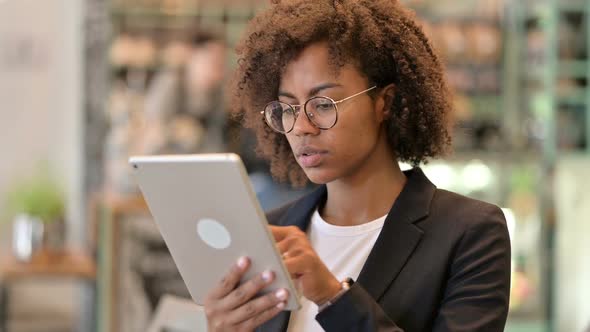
<point x="366" y="195"/>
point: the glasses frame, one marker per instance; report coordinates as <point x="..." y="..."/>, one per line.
<point x="296" y="109"/>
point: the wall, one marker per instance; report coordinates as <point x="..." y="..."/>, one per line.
<point x="40" y="97"/>
<point x="572" y="271"/>
<point x="41" y="119"/>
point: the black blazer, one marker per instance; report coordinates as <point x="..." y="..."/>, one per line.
<point x="440" y="263"/>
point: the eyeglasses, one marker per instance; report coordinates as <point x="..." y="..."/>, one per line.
<point x="321" y="111"/>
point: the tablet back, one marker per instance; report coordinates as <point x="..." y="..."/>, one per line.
<point x="209" y="216"/>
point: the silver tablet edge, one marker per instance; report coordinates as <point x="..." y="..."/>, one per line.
<point x="134" y="160"/>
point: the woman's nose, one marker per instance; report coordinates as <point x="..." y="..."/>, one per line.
<point x="303" y="126"/>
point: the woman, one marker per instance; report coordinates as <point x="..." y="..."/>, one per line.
<point x="338" y="92"/>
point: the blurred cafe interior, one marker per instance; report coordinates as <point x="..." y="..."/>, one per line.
<point x="84" y="84"/>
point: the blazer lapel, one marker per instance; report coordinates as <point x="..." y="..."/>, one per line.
<point x="279" y="323"/>
<point x="396" y="242"/>
<point x="299" y="214"/>
<point x="399" y="236"/>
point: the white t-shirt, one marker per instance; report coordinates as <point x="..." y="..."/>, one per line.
<point x="344" y="250"/>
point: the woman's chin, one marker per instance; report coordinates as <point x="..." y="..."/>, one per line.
<point x="318" y="176"/>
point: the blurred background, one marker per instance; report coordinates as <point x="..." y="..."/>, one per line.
<point x="86" y="83"/>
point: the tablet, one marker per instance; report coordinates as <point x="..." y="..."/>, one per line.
<point x="209" y="216"/>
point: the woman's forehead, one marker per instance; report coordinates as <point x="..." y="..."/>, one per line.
<point x="314" y="64"/>
<point x="308" y="83"/>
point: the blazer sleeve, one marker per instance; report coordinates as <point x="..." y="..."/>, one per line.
<point x="478" y="290"/>
<point x="356" y="311"/>
<point x="476" y="295"/>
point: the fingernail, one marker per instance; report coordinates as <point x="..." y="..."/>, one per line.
<point x="242" y="262"/>
<point x="281" y="294"/>
<point x="281" y="305"/>
<point x="267" y="276"/>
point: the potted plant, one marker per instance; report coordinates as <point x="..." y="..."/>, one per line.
<point x="37" y="208"/>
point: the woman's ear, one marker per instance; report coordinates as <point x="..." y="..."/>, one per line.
<point x="386" y="98"/>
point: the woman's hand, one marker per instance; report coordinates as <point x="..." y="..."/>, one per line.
<point x="230" y="307"/>
<point x="311" y="275"/>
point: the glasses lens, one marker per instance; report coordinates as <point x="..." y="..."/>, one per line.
<point x="322" y="112"/>
<point x="279" y="116"/>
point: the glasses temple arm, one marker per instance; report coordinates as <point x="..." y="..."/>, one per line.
<point x="357" y="94"/>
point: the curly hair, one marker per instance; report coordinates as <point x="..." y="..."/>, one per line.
<point x="380" y="37"/>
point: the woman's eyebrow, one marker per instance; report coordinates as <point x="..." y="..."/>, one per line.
<point x="322" y="87"/>
<point x="312" y="92"/>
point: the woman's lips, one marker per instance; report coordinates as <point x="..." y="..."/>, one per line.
<point x="312" y="159"/>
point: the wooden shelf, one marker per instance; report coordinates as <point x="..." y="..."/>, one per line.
<point x="67" y="263"/>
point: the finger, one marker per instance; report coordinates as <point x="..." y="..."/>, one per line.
<point x="278" y="232"/>
<point x="297" y="264"/>
<point x="293" y="241"/>
<point x="265" y="316"/>
<point x="231" y="279"/>
<point x="291" y="252"/>
<point x="288" y="243"/>
<point x="259" y="306"/>
<point x="246" y="291"/>
<point x="281" y="232"/>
